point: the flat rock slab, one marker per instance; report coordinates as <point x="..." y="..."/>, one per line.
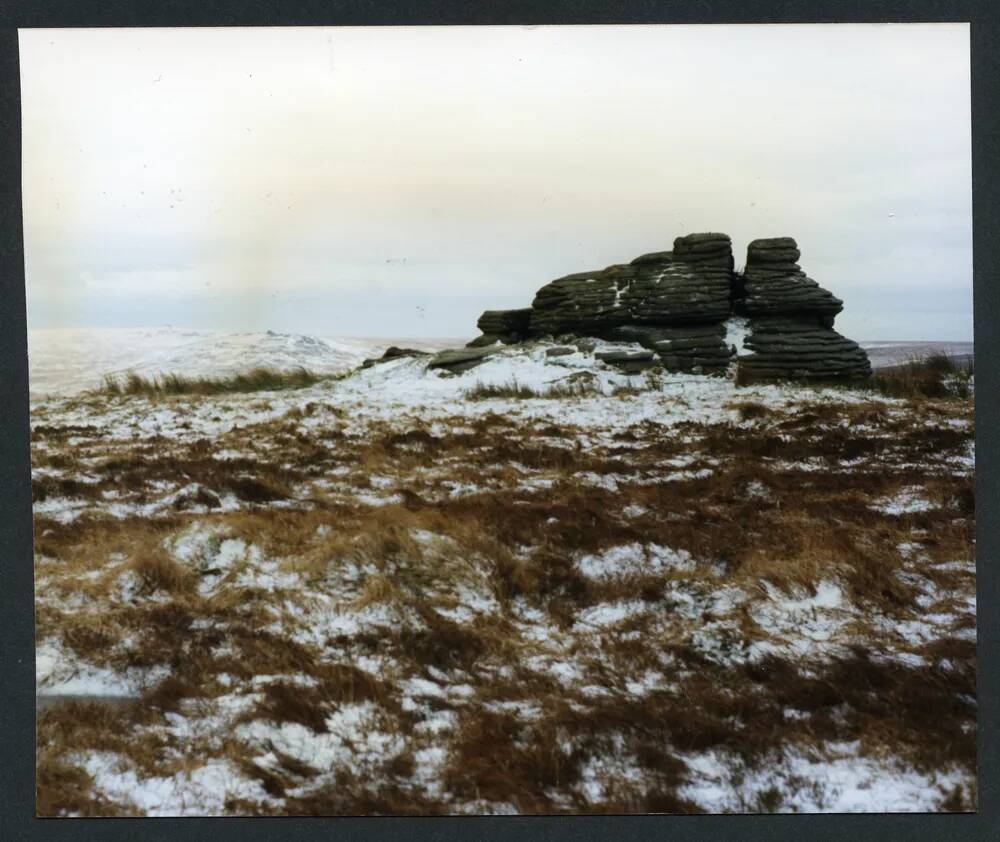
<point x="453" y="357"/>
<point x="505" y="321"/>
<point x="484" y="341"/>
<point x="636" y="366"/>
<point x="624" y="356"/>
<point x="394" y="353"/>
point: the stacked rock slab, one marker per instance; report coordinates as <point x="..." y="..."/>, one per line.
<point x="671" y="302"/>
<point x="676" y="304"/>
<point x="507" y="326"/>
<point x="791" y="320"/>
<point x="681" y="347"/>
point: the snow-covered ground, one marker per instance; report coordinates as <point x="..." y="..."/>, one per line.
<point x="63" y="361"/>
<point x="388" y="593"/>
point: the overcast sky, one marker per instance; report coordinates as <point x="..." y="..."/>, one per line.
<point x="398" y="181"/>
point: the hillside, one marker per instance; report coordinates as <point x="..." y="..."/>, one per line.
<point x="72" y="360"/>
<point x="540" y="585"/>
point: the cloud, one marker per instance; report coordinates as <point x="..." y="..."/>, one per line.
<point x="471" y="165"/>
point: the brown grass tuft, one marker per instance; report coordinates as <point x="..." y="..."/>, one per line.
<point x="933" y="376"/>
<point x="255" y="380"/>
<point x="157" y="571"/>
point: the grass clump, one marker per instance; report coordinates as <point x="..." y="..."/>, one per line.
<point x="157" y="571"/>
<point x="571" y="389"/>
<point x="256" y="380"/>
<point x="513" y="390"/>
<point x="752" y="410"/>
<point x="932" y="376"/>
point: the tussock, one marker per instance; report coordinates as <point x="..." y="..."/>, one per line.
<point x="255" y="380"/>
<point x="157" y="571"/>
<point x="933" y="376"/>
<point x="512" y="390"/>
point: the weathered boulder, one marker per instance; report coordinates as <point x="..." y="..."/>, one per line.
<point x="676" y="304"/>
<point x="775" y="285"/>
<point x="393" y="353"/>
<point x="629" y="362"/>
<point x="483" y="340"/>
<point x="503" y="322"/>
<point x="698" y="348"/>
<point x="691" y="284"/>
<point x="460" y="359"/>
<point x="800" y="349"/>
<point x="791" y="320"/>
<point x="505" y="326"/>
<point x="706" y="249"/>
<point x="623" y="356"/>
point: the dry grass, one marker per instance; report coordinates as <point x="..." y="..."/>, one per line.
<point x="157" y="571"/>
<point x="255" y="380"/>
<point x="786" y="498"/>
<point x="933" y="376"/>
<point x="512" y="390"/>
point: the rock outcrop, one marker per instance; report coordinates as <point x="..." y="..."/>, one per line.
<point x="671" y="302"/>
<point x="392" y="353"/>
<point x="694" y="347"/>
<point x="791" y="320"/>
<point x="459" y="359"/>
<point x="690" y="284"/>
<point x="506" y="326"/>
<point x="676" y="304"/>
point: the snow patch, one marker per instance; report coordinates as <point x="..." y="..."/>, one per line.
<point x="634" y="559"/>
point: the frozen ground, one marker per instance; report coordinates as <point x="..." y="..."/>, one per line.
<point x="63" y="361"/>
<point x="389" y="594"/>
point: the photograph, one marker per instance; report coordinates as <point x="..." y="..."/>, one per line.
<point x="501" y="420"/>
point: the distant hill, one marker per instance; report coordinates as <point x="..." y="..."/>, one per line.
<point x="64" y="361"/>
<point x="888" y="354"/>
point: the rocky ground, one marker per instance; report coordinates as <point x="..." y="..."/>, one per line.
<point x="540" y="585"/>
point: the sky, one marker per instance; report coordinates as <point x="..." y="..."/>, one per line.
<point x="399" y="181"/>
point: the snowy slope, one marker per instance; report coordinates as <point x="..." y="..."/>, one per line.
<point x="69" y="360"/>
<point x="652" y="451"/>
<point x="64" y="361"/>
